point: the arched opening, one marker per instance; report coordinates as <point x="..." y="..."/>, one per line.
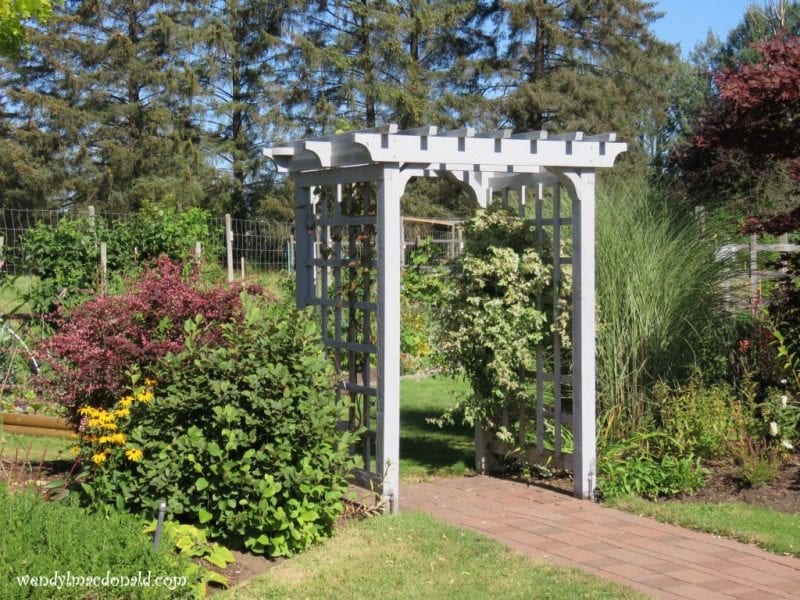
<point x="349" y="255"/>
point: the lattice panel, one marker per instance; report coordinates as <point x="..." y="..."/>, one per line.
<point x="342" y="229"/>
<point x="544" y="426"/>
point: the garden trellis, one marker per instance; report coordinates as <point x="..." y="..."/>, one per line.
<point x="349" y="241"/>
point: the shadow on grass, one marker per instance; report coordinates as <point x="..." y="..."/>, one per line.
<point x="426" y="449"/>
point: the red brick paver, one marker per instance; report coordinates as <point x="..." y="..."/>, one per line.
<point x="660" y="560"/>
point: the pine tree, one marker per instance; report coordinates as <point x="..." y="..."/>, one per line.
<point x="590" y="65"/>
<point x="365" y="62"/>
<point x="238" y="55"/>
<point x="101" y="92"/>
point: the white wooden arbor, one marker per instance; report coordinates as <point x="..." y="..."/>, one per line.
<point x="339" y="220"/>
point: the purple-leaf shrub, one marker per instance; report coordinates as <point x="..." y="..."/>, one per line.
<point x="97" y="343"/>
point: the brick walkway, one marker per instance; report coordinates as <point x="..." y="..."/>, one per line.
<point x="660" y="560"/>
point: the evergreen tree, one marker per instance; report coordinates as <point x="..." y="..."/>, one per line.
<point x="364" y="62"/>
<point x="101" y="97"/>
<point x="239" y="56"/>
<point x="589" y="65"/>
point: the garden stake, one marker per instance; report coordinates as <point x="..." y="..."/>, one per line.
<point x="162" y="508"/>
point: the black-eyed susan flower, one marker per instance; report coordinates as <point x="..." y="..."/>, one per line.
<point x="134" y="454"/>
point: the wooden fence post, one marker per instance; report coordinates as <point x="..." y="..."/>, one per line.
<point x="103" y="268"/>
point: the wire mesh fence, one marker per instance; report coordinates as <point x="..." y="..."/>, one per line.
<point x="245" y="247"/>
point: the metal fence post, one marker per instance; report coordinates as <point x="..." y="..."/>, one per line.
<point x="229" y="245"/>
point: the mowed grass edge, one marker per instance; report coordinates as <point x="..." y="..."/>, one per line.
<point x="772" y="530"/>
<point x="412" y="556"/>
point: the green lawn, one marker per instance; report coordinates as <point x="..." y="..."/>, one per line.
<point x="29" y="447"/>
<point x="773" y="530"/>
<point x="12" y="292"/>
<point x="415" y="556"/>
<point x="427" y="450"/>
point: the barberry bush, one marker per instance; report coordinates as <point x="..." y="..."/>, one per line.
<point x="96" y="343"/>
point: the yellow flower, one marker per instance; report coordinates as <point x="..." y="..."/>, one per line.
<point x="126" y="401"/>
<point x="122" y="412"/>
<point x="109" y="426"/>
<point x="144" y="396"/>
<point x="99" y="458"/>
<point x="134" y="454"/>
<point x="114" y="438"/>
<point x="75" y="450"/>
<point x="149" y="382"/>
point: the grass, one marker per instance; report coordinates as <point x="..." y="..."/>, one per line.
<point x="658" y="302"/>
<point x="770" y="529"/>
<point x="426" y="450"/>
<point x="44" y="538"/>
<point x="55" y="448"/>
<point x="415" y="556"/>
<point x="12" y="293"/>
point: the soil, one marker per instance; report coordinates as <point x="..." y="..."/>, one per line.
<point x="781" y="493"/>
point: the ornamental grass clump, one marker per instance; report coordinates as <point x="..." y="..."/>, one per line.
<point x="659" y="308"/>
<point x="238" y="436"/>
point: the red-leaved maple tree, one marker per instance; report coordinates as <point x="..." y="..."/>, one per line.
<point x="751" y="131"/>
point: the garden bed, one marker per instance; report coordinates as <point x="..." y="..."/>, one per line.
<point x="781" y="493"/>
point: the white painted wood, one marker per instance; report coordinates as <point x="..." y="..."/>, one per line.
<point x="303" y="242"/>
<point x="390" y="189"/>
<point x="229" y="246"/>
<point x="556" y="248"/>
<point x="581" y="186"/>
<point x="496" y="160"/>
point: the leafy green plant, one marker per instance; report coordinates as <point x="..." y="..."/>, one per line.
<point x="192" y="542"/>
<point x="65" y="258"/>
<point x="757" y="462"/>
<point x="239" y="437"/>
<point x="699" y="419"/>
<point x="637" y="466"/>
<point x="489" y="321"/>
<point x="422" y="288"/>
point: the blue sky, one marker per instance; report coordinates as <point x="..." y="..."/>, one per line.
<point x="688" y="21"/>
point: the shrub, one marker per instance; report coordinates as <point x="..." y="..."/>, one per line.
<point x="702" y="420"/>
<point x="423" y="286"/>
<point x="44" y="538"/>
<point x="97" y="342"/>
<point x="489" y="320"/>
<point x="239" y="437"/>
<point x="65" y="258"/>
